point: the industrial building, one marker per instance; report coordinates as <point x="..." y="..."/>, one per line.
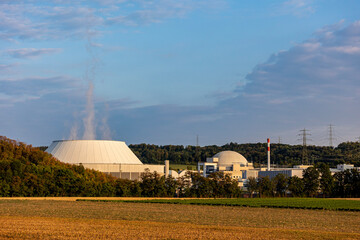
<point x="232" y="163"/>
<point x="116" y="158"/>
<point x="237" y="167"/>
<point x="288" y="172"/>
<point x="112" y="157"/>
<point x="343" y="167"/>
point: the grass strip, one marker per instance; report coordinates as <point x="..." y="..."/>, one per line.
<point x="291" y="203"/>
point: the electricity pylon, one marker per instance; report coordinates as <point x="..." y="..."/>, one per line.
<point x="304" y="137"/>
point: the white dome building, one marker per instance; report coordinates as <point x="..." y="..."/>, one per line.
<point x="228" y="158"/>
<point x="92" y="151"/>
<point x="229" y="162"/>
<point x="112" y="157"/>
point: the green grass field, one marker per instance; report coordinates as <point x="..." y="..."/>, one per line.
<point x="294" y="203"/>
<point x="182" y="167"/>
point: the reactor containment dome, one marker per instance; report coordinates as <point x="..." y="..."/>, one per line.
<point x="228" y="158"/>
<point x="93" y="152"/>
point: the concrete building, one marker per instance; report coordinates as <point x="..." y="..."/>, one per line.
<point x="236" y="165"/>
<point x="343" y="167"/>
<point x="112" y="157"/>
<point x="289" y="172"/>
<point x="232" y="163"/>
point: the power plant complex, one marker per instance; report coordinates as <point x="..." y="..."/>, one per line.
<point x="117" y="159"/>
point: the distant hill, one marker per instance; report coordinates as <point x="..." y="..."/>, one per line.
<point x="29" y="171"/>
<point x="281" y="154"/>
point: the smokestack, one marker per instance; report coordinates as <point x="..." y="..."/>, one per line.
<point x="268" y="154"/>
<point x="167" y="168"/>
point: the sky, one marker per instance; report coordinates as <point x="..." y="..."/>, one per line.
<point x="166" y="71"/>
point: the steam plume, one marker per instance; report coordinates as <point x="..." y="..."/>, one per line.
<point x="89" y="118"/>
<point x="74" y="132"/>
<point x="105" y="129"/>
<point x="89" y="124"/>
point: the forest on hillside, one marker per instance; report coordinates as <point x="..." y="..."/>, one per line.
<point x="281" y="154"/>
<point x="29" y="171"/>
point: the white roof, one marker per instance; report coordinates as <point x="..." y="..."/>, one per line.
<point x="227" y="158"/>
<point x="92" y="151"/>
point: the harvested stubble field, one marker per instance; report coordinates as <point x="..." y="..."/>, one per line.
<point x="39" y="219"/>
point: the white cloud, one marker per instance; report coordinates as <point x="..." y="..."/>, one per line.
<point x="298" y="7"/>
<point x="31" y="52"/>
<point x="5" y="67"/>
<point x="58" y="20"/>
<point x="320" y="67"/>
<point x="156" y="11"/>
<point x="346" y="49"/>
<point x="34" y="88"/>
<point x="9" y="99"/>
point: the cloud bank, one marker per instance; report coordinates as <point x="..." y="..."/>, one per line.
<point x="31" y="52"/>
<point x="321" y="69"/>
<point x="51" y="20"/>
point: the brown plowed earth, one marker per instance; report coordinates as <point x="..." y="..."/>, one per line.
<point x="108" y="220"/>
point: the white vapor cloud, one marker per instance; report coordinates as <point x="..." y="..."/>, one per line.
<point x="89" y="119"/>
<point x="32" y="88"/>
<point x="298" y="7"/>
<point x="31" y="52"/>
<point x="321" y="68"/>
<point x="58" y="20"/>
<point x="5" y="67"/>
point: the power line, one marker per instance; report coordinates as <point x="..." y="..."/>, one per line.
<point x="331" y="136"/>
<point x="304" y="137"/>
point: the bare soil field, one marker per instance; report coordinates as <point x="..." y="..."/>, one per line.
<point x="87" y="198"/>
<point x="60" y="219"/>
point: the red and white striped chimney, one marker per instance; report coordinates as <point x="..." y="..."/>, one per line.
<point x="268" y="154"/>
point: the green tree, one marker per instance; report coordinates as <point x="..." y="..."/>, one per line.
<point x="296" y="186"/>
<point x="152" y="184"/>
<point x="200" y="186"/>
<point x="171" y="186"/>
<point x="311" y="181"/>
<point x="123" y="187"/>
<point x="251" y="185"/>
<point x="266" y="187"/>
<point x="281" y="184"/>
<point x="326" y="179"/>
<point x="347" y="183"/>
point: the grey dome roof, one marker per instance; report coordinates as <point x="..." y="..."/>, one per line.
<point x="92" y="151"/>
<point x="227" y="158"/>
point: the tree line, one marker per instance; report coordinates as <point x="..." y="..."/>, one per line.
<point x="317" y="181"/>
<point x="152" y="184"/>
<point x="281" y="154"/>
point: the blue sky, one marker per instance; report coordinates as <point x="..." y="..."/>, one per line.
<point x="164" y="71"/>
